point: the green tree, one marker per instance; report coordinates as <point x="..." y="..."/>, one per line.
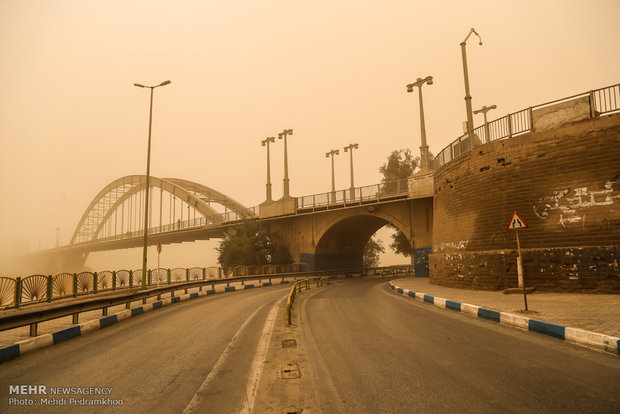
<point x="372" y="250"/>
<point x="252" y="244"/>
<point x="400" y="165"/>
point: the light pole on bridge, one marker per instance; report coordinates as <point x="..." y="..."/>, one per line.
<point x="349" y="148"/>
<point x="281" y="135"/>
<point x="470" y="116"/>
<point x="424" y="156"/>
<point x="327" y="155"/>
<point x="484" y="111"/>
<point x="148" y="172"/>
<point x="264" y="143"/>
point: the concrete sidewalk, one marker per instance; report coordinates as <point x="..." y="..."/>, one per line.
<point x="598" y="313"/>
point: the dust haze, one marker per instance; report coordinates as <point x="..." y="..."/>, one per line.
<point x="71" y="120"/>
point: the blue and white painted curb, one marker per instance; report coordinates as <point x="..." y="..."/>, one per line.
<point x="577" y="336"/>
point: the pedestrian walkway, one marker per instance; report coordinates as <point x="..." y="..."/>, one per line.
<point x="598" y="313"/>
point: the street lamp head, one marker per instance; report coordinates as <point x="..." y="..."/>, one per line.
<point x="139" y="85"/>
<point x="429" y="80"/>
<point x="267" y="141"/>
<point x="164" y="83"/>
<point x="410" y="87"/>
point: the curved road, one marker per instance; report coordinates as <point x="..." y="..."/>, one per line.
<point x="193" y="356"/>
<point x="354" y="347"/>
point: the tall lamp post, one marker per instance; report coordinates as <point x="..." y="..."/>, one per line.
<point x="423" y="146"/>
<point x="264" y="143"/>
<point x="349" y="148"/>
<point x="281" y="135"/>
<point x="470" y="117"/>
<point x="327" y="155"/>
<point x="484" y="111"/>
<point x="148" y="178"/>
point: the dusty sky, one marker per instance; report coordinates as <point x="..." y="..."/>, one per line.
<point x="71" y="120"/>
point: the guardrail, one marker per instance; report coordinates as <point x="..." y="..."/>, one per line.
<point x="298" y="285"/>
<point x="33" y="315"/>
<point x="602" y="101"/>
<point x="18" y="292"/>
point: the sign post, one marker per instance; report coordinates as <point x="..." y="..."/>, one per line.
<point x="516" y="223"/>
<point x="158" y="253"/>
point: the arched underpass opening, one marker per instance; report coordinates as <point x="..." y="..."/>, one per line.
<point x="342" y="246"/>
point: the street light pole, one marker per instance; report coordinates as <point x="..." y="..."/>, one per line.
<point x="327" y="155"/>
<point x="470" y="117"/>
<point x="148" y="178"/>
<point x="350" y="149"/>
<point x="281" y="135"/>
<point x="484" y="111"/>
<point x="424" y="156"/>
<point x="264" y="143"/>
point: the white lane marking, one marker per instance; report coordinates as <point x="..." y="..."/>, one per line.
<point x="195" y="402"/>
<point x="256" y="368"/>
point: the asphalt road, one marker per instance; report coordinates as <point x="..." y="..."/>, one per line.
<point x="357" y="348"/>
<point x="368" y="350"/>
<point x="195" y="356"/>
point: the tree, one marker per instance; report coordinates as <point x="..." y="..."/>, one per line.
<point x="252" y="244"/>
<point x="371" y="252"/>
<point x="400" y="165"/>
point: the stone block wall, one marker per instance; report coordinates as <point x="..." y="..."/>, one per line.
<point x="564" y="182"/>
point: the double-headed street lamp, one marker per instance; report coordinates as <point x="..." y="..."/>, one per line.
<point x="266" y="142"/>
<point x="148" y="177"/>
<point x="327" y="155"/>
<point x="281" y="135"/>
<point x="470" y="117"/>
<point x="484" y="111"/>
<point x="349" y="148"/>
<point x="424" y="156"/>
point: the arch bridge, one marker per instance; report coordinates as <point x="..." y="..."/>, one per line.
<point x="326" y="230"/>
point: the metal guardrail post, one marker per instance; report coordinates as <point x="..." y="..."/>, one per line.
<point x="18" y="291"/>
<point x="509" y="126"/>
<point x="591" y="103"/>
<point x="49" y="288"/>
<point x="131" y="278"/>
<point x="186" y="277"/>
<point x="168" y="276"/>
<point x="204" y="273"/>
<point x="75" y="285"/>
<point x="95" y="282"/>
<point x="114" y="280"/>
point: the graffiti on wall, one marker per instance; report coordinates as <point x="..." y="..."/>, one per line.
<point x="573" y="207"/>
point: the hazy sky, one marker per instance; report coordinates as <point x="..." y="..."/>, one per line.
<point x="335" y="72"/>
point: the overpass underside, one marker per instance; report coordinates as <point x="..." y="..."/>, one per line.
<point x="336" y="239"/>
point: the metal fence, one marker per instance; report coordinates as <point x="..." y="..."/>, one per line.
<point x="46" y="288"/>
<point x="354" y="196"/>
<point x="602" y="102"/>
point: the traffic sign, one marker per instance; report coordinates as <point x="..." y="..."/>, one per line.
<point x="516" y="222"/>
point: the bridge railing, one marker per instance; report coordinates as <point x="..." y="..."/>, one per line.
<point x="602" y="101"/>
<point x="227" y="216"/>
<point x="354" y="196"/>
<point x="17" y="292"/>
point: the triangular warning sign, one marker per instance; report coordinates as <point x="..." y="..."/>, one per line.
<point x="516" y="222"/>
